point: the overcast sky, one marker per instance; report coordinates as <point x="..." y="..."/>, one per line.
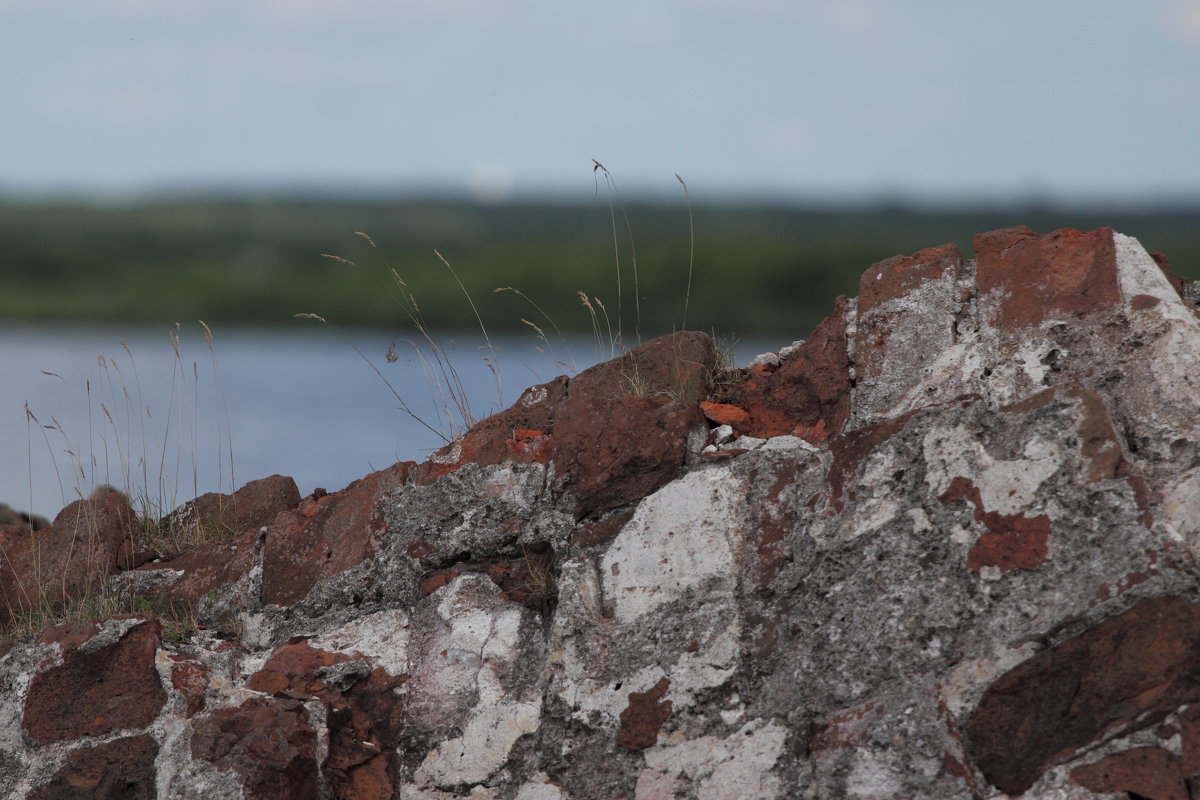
<point x="1081" y="99"/>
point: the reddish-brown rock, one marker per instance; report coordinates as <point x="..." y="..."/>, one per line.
<point x="122" y="769"/>
<point x="526" y="579"/>
<point x="101" y="686"/>
<point x="1150" y="772"/>
<point x="254" y="505"/>
<point x="607" y="451"/>
<point x="643" y="718"/>
<point x="21" y="519"/>
<point x="364" y="719"/>
<point x="269" y="743"/>
<point x="326" y="536"/>
<point x="1126" y="673"/>
<point x="1038" y="277"/>
<point x="622" y="431"/>
<point x="1100" y="443"/>
<point x="724" y="413"/>
<point x="1012" y="541"/>
<point x="365" y="729"/>
<point x="521" y="434"/>
<point x="808" y="395"/>
<point x="616" y="452"/>
<point x="190" y="679"/>
<point x="899" y="275"/>
<point x="103" y="527"/>
<point x="1141" y="302"/>
<point x="291" y="671"/>
<point x="210" y="566"/>
<point x="88" y="541"/>
<point x="10" y="535"/>
<point x="678" y="365"/>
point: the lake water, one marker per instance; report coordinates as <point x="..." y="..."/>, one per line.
<point x="126" y="410"/>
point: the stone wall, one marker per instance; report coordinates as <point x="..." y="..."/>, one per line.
<point x="944" y="548"/>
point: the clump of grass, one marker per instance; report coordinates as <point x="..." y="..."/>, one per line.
<point x="150" y="479"/>
<point x="539" y="583"/>
<point x="97" y="604"/>
<point x="118" y="450"/>
<point x="169" y="536"/>
<point x="638" y="385"/>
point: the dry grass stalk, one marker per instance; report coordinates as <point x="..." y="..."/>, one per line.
<point x="614" y="192"/>
<point x="691" y="251"/>
<point x="570" y="362"/>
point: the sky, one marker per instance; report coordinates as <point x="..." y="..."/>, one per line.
<point x="1084" y="100"/>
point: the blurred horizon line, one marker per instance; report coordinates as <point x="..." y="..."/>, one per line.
<point x="637" y="193"/>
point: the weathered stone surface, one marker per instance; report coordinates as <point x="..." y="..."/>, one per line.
<point x="614" y="453"/>
<point x="807" y="395"/>
<point x="1130" y="670"/>
<point x="269" y="744"/>
<point x="945" y="548"/>
<point x="326" y="536"/>
<point x="615" y="432"/>
<point x="471" y="694"/>
<point x="909" y="308"/>
<point x="254" y="505"/>
<point x="122" y="769"/>
<point x="205" y="569"/>
<point x="1033" y="278"/>
<point x="88" y="541"/>
<point x="104" y="683"/>
<point x="1143" y="772"/>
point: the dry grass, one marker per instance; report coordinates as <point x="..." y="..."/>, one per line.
<point x="568" y="364"/>
<point x="687" y="295"/>
<point x="126" y="445"/>
<point x="615" y="195"/>
<point x="170" y="536"/>
<point x="97" y="604"/>
<point x="451" y="401"/>
<point x="539" y="580"/>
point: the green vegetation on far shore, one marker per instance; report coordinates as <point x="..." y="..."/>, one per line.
<point x="759" y="269"/>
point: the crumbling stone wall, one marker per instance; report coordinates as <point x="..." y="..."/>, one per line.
<point x="944" y="548"/>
